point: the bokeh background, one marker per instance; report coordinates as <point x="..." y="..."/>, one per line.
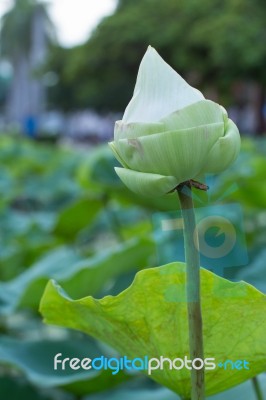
<point x="67" y="72"/>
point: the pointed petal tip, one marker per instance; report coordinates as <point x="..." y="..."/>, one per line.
<point x="151" y="50"/>
<point x="151" y="55"/>
<point x="159" y="91"/>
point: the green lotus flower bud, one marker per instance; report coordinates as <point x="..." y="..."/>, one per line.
<point x="170" y="133"/>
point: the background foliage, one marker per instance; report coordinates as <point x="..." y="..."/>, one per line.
<point x="64" y="214"/>
<point x="212" y="43"/>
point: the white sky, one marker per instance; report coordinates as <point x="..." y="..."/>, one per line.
<point x="74" y="19"/>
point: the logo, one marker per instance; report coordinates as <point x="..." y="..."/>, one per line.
<point x="219" y="237"/>
<point x="221" y="233"/>
<point x="143" y="364"/>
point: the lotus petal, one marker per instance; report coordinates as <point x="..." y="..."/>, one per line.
<point x="134" y="130"/>
<point x="174" y="153"/>
<point x="150" y="185"/>
<point x="225" y="150"/>
<point x="204" y="112"/>
<point x="159" y="91"/>
<point x="117" y="155"/>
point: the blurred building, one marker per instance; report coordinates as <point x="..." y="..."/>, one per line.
<point x="26" y="97"/>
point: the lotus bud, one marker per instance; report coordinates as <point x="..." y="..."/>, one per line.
<point x="170" y="133"/>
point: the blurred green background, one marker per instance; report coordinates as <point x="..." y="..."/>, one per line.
<point x="63" y="212"/>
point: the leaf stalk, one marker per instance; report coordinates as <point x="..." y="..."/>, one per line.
<point x="257" y="388"/>
<point x="193" y="289"/>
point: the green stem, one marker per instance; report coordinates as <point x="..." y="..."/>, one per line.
<point x="257" y="388"/>
<point x="193" y="293"/>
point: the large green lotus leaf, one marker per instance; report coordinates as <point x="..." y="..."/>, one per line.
<point x="34" y="358"/>
<point x="80" y="276"/>
<point x="150" y="318"/>
<point x="255" y="272"/>
<point x="245" y="391"/>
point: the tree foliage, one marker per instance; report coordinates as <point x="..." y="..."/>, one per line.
<point x="211" y="42"/>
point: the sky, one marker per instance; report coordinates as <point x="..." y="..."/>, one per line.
<point x="74" y="19"/>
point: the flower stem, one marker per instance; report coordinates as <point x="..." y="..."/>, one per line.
<point x="257" y="388"/>
<point x="193" y="291"/>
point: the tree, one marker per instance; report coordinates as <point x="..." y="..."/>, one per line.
<point x="211" y="42"/>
